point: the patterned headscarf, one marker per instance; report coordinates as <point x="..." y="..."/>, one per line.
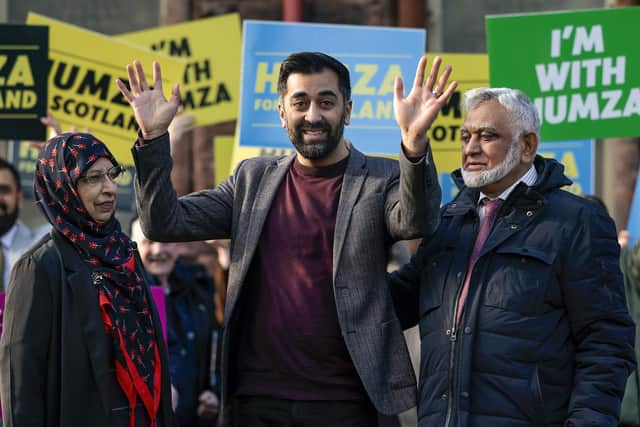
<point x="110" y="254"/>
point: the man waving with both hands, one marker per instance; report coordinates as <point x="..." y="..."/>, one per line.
<point x="311" y="336"/>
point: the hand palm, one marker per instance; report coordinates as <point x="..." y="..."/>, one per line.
<point x="416" y="112"/>
<point x="152" y="110"/>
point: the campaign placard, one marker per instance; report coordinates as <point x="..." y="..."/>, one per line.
<point x="210" y="86"/>
<point x="375" y="56"/>
<point x="633" y="224"/>
<point x="23" y="81"/>
<point x="82" y="89"/>
<point x="470" y="71"/>
<point x="580" y="68"/>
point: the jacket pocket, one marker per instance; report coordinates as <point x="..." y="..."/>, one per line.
<point x="518" y="278"/>
<point x="432" y="282"/>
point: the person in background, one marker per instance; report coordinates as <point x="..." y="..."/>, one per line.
<point x="518" y="293"/>
<point x="15" y="236"/>
<point x="82" y="342"/>
<point x="630" y="265"/>
<point x="310" y="336"/>
<point x="192" y="330"/>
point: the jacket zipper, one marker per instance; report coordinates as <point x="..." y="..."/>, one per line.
<point x="453" y="337"/>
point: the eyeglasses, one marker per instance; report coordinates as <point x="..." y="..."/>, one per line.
<point x="96" y="178"/>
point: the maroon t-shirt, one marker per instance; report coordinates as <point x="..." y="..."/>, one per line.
<point x="291" y="346"/>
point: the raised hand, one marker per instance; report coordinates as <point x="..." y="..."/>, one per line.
<point x="415" y="113"/>
<point x="152" y="110"/>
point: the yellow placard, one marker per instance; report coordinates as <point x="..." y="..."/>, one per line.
<point x="210" y="86"/>
<point x="222" y="152"/>
<point x="82" y="89"/>
<point x="470" y="71"/>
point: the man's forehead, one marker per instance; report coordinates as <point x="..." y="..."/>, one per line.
<point x="309" y="83"/>
<point x="489" y="114"/>
<point x="486" y="125"/>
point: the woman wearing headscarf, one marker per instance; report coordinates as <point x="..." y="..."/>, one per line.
<point x="82" y="342"/>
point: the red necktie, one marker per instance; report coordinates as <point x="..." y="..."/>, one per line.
<point x="491" y="208"/>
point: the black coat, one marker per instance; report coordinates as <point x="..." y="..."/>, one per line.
<point x="193" y="289"/>
<point x="54" y="364"/>
<point x="545" y="338"/>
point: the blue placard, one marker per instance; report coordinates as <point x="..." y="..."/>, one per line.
<point x="633" y="224"/>
<point x="578" y="158"/>
<point x="374" y="56"/>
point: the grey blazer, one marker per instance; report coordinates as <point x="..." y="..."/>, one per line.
<point x="381" y="201"/>
<point x="22" y="241"/>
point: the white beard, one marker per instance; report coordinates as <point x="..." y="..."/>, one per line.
<point x="486" y="177"/>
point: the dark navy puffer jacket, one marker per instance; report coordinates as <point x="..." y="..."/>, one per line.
<point x="545" y="338"/>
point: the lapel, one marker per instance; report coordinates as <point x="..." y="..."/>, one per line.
<point x="352" y="183"/>
<point x="269" y="184"/>
<point x="78" y="280"/>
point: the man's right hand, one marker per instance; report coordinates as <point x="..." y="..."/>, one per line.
<point x="152" y="110"/>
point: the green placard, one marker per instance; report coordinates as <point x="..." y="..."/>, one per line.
<point x="581" y="68"/>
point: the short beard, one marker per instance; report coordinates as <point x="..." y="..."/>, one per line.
<point x="318" y="149"/>
<point x="481" y="178"/>
<point x="8" y="220"/>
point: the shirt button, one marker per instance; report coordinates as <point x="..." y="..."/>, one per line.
<point x="464" y="395"/>
<point x="190" y="335"/>
<point x="444" y="396"/>
<point x="467" y="330"/>
<point x="183" y="352"/>
<point x="448" y="332"/>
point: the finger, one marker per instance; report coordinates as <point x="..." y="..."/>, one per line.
<point x="433" y="73"/>
<point x="399" y="89"/>
<point x="124" y="90"/>
<point x="450" y="90"/>
<point x="141" y="78"/>
<point x="175" y="95"/>
<point x="442" y="82"/>
<point x="157" y="76"/>
<point x="133" y="81"/>
<point x="419" y="78"/>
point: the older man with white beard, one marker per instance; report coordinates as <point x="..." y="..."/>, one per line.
<point x="518" y="293"/>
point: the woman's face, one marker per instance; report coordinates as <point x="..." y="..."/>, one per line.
<point x="97" y="191"/>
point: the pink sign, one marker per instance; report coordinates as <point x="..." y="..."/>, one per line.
<point x="158" y="296"/>
<point x="1" y="317"/>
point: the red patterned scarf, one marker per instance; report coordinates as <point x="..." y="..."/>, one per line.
<point x="126" y="311"/>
